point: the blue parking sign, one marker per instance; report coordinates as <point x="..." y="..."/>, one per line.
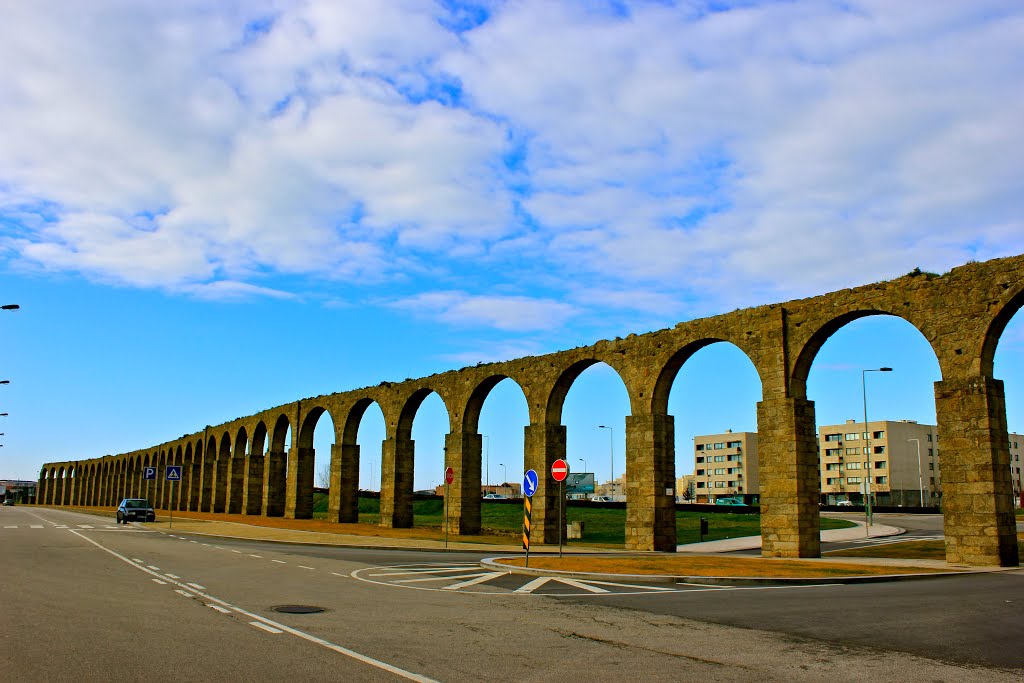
<point x="148" y="473"/>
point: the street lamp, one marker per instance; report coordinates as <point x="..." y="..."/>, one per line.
<point x="920" y="478"/>
<point x="611" y="454"/>
<point x="867" y="447"/>
<point x="505" y="471"/>
<point x="488" y="451"/>
<point x="584" y="463"/>
<point x="10" y="307"/>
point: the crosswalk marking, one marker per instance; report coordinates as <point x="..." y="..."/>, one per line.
<point x="533" y="585"/>
<point x="480" y="578"/>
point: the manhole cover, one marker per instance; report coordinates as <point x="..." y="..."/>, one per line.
<point x="297" y="609"/>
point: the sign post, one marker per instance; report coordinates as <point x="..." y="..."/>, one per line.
<point x="530" y="482"/>
<point x="559" y="471"/>
<point x="173" y="475"/>
<point x="449" y="476"/>
<point x="148" y="475"/>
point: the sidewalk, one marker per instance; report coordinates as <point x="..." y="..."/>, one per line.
<point x="727" y="545"/>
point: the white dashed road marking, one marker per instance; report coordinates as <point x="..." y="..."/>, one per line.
<point x="268" y="629"/>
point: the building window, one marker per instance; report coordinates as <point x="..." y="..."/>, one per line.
<point x="881" y="480"/>
<point x="719" y="470"/>
<point x="719" y="484"/>
<point x="932" y="480"/>
<point x="929" y="437"/>
<point x="853" y="480"/>
<point x="853" y="465"/>
<point x="699" y="447"/>
<point x="930" y="452"/>
<point x="880" y="464"/>
<point x="877" y="435"/>
<point x="719" y="458"/>
<point x="700" y="473"/>
<point x="700" y="458"/>
<point x="830" y="452"/>
<point x="833" y="437"/>
<point x="700" y="484"/>
<point x="735" y="458"/>
<point x="852" y="437"/>
<point x="931" y="466"/>
<point x="733" y="444"/>
<point x="879" y="449"/>
<point x="832" y="466"/>
<point x="830" y="482"/>
<point x="733" y="484"/>
<point x="719" y="446"/>
<point x="851" y="451"/>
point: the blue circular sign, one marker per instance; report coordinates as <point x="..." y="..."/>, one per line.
<point x="530" y="482"/>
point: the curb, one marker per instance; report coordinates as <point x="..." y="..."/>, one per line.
<point x="493" y="564"/>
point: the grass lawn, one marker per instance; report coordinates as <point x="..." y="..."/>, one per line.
<point x="601" y="526"/>
<point x="911" y="550"/>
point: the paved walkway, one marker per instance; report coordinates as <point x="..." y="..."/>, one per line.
<point x="727" y="545"/>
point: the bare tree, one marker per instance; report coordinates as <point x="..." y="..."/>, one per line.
<point x="323" y="477"/>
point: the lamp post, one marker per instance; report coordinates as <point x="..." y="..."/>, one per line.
<point x="584" y="463"/>
<point x="611" y="455"/>
<point x="10" y="307"/>
<point x="487" y="449"/>
<point x="504" y="471"/>
<point x="867" y="447"/>
<point x="920" y="478"/>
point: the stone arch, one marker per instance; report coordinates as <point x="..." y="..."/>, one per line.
<point x="303" y="459"/>
<point x="994" y="332"/>
<point x="221" y="475"/>
<point x="276" y="466"/>
<point x="254" y="463"/>
<point x="237" y="472"/>
<point x="809" y="351"/>
<point x="345" y="467"/>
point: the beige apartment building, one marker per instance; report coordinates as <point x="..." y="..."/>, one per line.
<point x="725" y="466"/>
<point x="884" y="458"/>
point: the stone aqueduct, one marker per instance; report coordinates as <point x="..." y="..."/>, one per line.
<point x="242" y="466"/>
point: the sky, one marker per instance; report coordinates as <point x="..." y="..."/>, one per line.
<point x="210" y="209"/>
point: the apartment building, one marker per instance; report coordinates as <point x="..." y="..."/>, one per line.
<point x="725" y="466"/>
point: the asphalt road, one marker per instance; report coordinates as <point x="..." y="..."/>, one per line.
<point x="82" y="599"/>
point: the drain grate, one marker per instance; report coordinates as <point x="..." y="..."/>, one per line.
<point x="297" y="609"/>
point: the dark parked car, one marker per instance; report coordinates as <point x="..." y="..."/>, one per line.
<point x="135" y="510"/>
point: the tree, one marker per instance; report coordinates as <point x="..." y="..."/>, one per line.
<point x="323" y="477"/>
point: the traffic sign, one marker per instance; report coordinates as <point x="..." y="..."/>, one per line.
<point x="148" y="473"/>
<point x="173" y="473"/>
<point x="449" y="475"/>
<point x="530" y="482"/>
<point x="559" y="470"/>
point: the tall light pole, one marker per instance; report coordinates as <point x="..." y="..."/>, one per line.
<point x="10" y="307"/>
<point x="920" y="477"/>
<point x="867" y="447"/>
<point x="505" y="471"/>
<point x="584" y="464"/>
<point x="611" y="455"/>
<point x="487" y="449"/>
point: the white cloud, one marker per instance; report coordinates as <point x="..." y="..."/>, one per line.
<point x="512" y="313"/>
<point x="746" y="155"/>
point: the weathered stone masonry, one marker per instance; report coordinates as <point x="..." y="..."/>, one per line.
<point x="242" y="466"/>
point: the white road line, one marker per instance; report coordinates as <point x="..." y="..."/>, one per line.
<point x="429" y="578"/>
<point x="149" y="566"/>
<point x="533" y="585"/>
<point x="86" y="526"/>
<point x="413" y="572"/>
<point x="11" y="527"/>
<point x="384" y="666"/>
<point x="62" y="526"/>
<point x="36" y="526"/>
<point x="162" y="583"/>
<point x="279" y="561"/>
<point x="268" y="629"/>
<point x="135" y="559"/>
<point x="219" y="609"/>
<point x="630" y="585"/>
<point x="185" y="593"/>
<point x="259" y="557"/>
<point x="173" y="576"/>
<point x="341" y="575"/>
<point x="582" y="586"/>
<point x="196" y="586"/>
<point x="194" y="542"/>
<point x="234" y="551"/>
<point x="302" y="566"/>
<point x="480" y="578"/>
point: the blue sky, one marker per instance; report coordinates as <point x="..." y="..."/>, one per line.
<point x="206" y="211"/>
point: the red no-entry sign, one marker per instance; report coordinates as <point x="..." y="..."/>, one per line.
<point x="559" y="470"/>
<point x="449" y="475"/>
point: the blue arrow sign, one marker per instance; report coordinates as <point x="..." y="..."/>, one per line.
<point x="530" y="482"/>
<point x="173" y="473"/>
<point x="148" y="473"/>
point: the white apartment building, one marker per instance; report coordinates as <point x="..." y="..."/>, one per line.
<point x="725" y="466"/>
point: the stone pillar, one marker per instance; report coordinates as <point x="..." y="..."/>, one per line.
<point x="299" y="503"/>
<point x="397" y="454"/>
<point x="236" y="484"/>
<point x="543" y="444"/>
<point x="220" y="482"/>
<point x="462" y="454"/>
<point x="274" y="483"/>
<point x="252" y="497"/>
<point x="787" y="453"/>
<point x="194" y="485"/>
<point x="343" y="505"/>
<point x="650" y="483"/>
<point x="58" y="491"/>
<point x="206" y="484"/>
<point x="977" y="491"/>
